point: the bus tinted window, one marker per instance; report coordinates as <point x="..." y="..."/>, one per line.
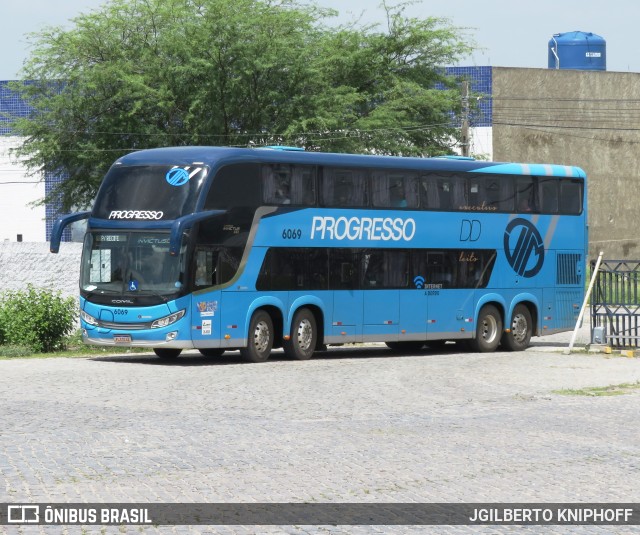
<point x="428" y="193"/>
<point x="374" y="269"/>
<point x="384" y="269"/>
<point x="395" y="189"/>
<point x="448" y="192"/>
<point x="526" y="194"/>
<point x="344" y="187"/>
<point x="570" y="197"/>
<point x="294" y="269"/>
<point x="235" y="185"/>
<point x="288" y="184"/>
<point x="215" y="265"/>
<point x="453" y="268"/>
<point x="343" y="269"/>
<point x="499" y="192"/>
<point x="489" y="193"/>
<point x="318" y="268"/>
<point x="149" y="192"/>
<point x="548" y="194"/>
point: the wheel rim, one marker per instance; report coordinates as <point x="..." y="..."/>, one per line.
<point x="304" y="335"/>
<point x="489" y="328"/>
<point x="519" y="328"/>
<point x="261" y="337"/>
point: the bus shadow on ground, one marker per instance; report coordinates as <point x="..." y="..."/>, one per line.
<point x="193" y="358"/>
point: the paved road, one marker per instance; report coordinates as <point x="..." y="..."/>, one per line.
<point x="353" y="425"/>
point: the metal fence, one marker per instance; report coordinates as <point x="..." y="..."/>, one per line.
<point x="615" y="304"/>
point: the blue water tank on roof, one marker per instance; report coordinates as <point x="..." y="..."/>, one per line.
<point x="578" y="50"/>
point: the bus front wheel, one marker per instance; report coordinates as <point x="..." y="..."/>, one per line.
<point x="260" y="339"/>
<point x="167" y="352"/>
<point x="520" y="330"/>
<point x="488" y="330"/>
<point x="304" y="335"/>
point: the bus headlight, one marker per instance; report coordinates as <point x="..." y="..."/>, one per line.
<point x="88" y="318"/>
<point x="167" y="320"/>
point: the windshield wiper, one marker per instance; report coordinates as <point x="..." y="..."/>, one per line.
<point x="102" y="291"/>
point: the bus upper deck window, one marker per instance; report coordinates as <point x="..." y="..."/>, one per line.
<point x="570" y="197"/>
<point x="548" y="189"/>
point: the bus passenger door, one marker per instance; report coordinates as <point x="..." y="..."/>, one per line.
<point x="449" y="282"/>
<point x="413" y="313"/>
<point x="381" y="316"/>
<point x="384" y="278"/>
<point x="346" y="316"/>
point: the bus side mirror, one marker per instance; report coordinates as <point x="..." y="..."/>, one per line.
<point x="59" y="226"/>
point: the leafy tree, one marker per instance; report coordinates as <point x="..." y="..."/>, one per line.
<point x="141" y="74"/>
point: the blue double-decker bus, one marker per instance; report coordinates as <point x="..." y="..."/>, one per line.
<point x="221" y="249"/>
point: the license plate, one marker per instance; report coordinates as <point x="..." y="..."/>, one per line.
<point x="122" y="338"/>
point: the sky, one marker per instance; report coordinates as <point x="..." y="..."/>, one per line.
<point x="507" y="33"/>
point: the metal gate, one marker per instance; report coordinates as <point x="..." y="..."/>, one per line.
<point x="615" y="304"/>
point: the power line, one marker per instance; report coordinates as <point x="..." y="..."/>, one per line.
<point x="544" y="129"/>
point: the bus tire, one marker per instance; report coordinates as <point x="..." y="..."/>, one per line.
<point x="304" y="336"/>
<point x="521" y="329"/>
<point x="167" y="352"/>
<point x="260" y="340"/>
<point x="211" y="351"/>
<point x="405" y="347"/>
<point x="488" y="330"/>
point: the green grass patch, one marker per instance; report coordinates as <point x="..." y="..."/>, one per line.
<point x="11" y="351"/>
<point x="611" y="390"/>
<point x="8" y="353"/>
<point x="72" y="347"/>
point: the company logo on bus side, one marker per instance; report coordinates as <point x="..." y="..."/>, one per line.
<point x="524" y="247"/>
<point x="363" y="228"/>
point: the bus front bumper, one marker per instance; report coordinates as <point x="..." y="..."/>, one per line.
<point x="177" y="344"/>
<point x="170" y="337"/>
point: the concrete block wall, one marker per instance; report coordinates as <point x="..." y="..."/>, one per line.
<point x="582" y="118"/>
<point x="31" y="262"/>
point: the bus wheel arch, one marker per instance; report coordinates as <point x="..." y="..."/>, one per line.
<point x="519" y="329"/>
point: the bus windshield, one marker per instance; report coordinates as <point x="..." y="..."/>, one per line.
<point x="131" y="264"/>
<point x="149" y="193"/>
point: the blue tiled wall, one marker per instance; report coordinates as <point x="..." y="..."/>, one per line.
<point x="480" y="86"/>
<point x="52" y="210"/>
<point x="11" y="105"/>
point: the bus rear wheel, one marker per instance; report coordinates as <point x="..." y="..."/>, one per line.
<point x="260" y="339"/>
<point x="520" y="330"/>
<point x="167" y="352"/>
<point x="304" y="335"/>
<point x="488" y="331"/>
